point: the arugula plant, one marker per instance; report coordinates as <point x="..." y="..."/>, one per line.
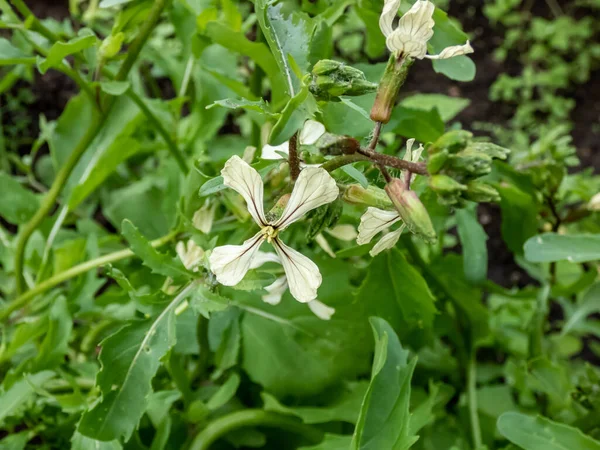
<point x="238" y="234"/>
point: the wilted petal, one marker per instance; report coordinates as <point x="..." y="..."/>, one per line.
<point x="311" y="132"/>
<point x="314" y="187"/>
<point x="239" y="176"/>
<point x="275" y="291"/>
<point x="386" y="20"/>
<point x="264" y="257"/>
<point x="302" y="274"/>
<point x="345" y="232"/>
<point x="388" y="241"/>
<point x="451" y="52"/>
<point x="321" y="310"/>
<point x="373" y="221"/>
<point x="270" y="151"/>
<point x="203" y="218"/>
<point x="414" y="30"/>
<point x="322" y="242"/>
<point x="230" y="263"/>
<point x="190" y="254"/>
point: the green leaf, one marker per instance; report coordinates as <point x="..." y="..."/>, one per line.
<point x="130" y="358"/>
<point x="459" y="68"/>
<point x="15" y="441"/>
<point x="81" y="442"/>
<point x="344" y="407"/>
<point x="286" y="36"/>
<point x="424" y="126"/>
<point x="519" y="216"/>
<point x="396" y="292"/>
<point x="157" y="262"/>
<point x="9" y="54"/>
<point x="300" y="108"/>
<point x="17" y="204"/>
<point x="331" y="442"/>
<point x="115" y="87"/>
<point x="589" y="304"/>
<point x="225" y="393"/>
<point x="15" y="398"/>
<point x="356" y="174"/>
<point x="60" y="50"/>
<point x="384" y="420"/>
<point x="551" y="247"/>
<point x="55" y="345"/>
<point x="539" y="433"/>
<point x="473" y="240"/>
<point x="448" y="107"/>
<point x="212" y="186"/>
<point x="259" y="106"/>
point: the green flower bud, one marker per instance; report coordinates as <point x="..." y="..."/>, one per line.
<point x="111" y="46"/>
<point x="331" y="79"/>
<point x="393" y="78"/>
<point x="480" y="192"/>
<point x="469" y="164"/>
<point x="332" y="144"/>
<point x="445" y="185"/>
<point x="453" y="141"/>
<point x="371" y="196"/>
<point x="436" y="162"/>
<point x="411" y="210"/>
<point x="492" y="150"/>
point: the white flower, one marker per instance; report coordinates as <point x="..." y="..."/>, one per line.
<point x="276" y="290"/>
<point x="414" y="30"/>
<point x="230" y="263"/>
<point x="375" y="221"/>
<point x="310" y="134"/>
<point x="191" y="254"/>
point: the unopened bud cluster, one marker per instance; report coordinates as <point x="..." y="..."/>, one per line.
<point x="331" y="79"/>
<point x="456" y="162"/>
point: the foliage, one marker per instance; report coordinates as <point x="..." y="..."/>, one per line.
<point x="125" y="321"/>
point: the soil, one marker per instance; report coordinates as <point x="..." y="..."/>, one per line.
<point x="53" y="90"/>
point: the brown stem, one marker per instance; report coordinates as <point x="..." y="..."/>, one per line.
<point x="376" y="134"/>
<point x="395" y="162"/>
<point x="293" y="158"/>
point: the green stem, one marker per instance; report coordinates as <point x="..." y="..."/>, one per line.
<point x="65" y="171"/>
<point x="339" y="161"/>
<point x="74" y="271"/>
<point x="472" y="400"/>
<point x="250" y="418"/>
<point x="536" y="345"/>
<point x="36" y="25"/>
<point x="171" y="145"/>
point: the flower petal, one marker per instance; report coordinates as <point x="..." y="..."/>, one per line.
<point x="451" y="52"/>
<point x="190" y="254"/>
<point x="302" y="274"/>
<point x="321" y="310"/>
<point x="388" y="241"/>
<point x="373" y="221"/>
<point x="389" y="13"/>
<point x="414" y="30"/>
<point x="270" y="151"/>
<point x="311" y="132"/>
<point x="314" y="187"/>
<point x="230" y="263"/>
<point x="264" y="257"/>
<point x="275" y="291"/>
<point x="239" y="176"/>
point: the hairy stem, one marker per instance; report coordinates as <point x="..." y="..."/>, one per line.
<point x="74" y="157"/>
<point x="395" y="162"/>
<point x="252" y="418"/>
<point x="74" y="271"/>
<point x="293" y="158"/>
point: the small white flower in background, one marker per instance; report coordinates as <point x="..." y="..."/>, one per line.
<point x="204" y="217"/>
<point x="594" y="203"/>
<point x="375" y="220"/>
<point x="276" y="290"/>
<point x="191" y="254"/>
<point x="414" y="30"/>
<point x="313" y="188"/>
<point x="310" y="134"/>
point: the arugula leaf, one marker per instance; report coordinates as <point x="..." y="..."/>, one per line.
<point x="551" y="247"/>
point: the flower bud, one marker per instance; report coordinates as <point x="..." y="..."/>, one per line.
<point x="436" y="162"/>
<point x="492" y="150"/>
<point x="445" y="185"/>
<point x="332" y="144"/>
<point x="331" y="79"/>
<point x="393" y="78"/>
<point x="469" y="164"/>
<point x="453" y="141"/>
<point x="411" y="210"/>
<point x="481" y="192"/>
<point x="111" y="46"/>
<point x="371" y="196"/>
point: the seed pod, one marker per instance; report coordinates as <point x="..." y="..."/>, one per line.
<point x="453" y="141"/>
<point x="371" y="196"/>
<point x="411" y="210"/>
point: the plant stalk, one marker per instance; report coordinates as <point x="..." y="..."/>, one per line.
<point x="472" y="400"/>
